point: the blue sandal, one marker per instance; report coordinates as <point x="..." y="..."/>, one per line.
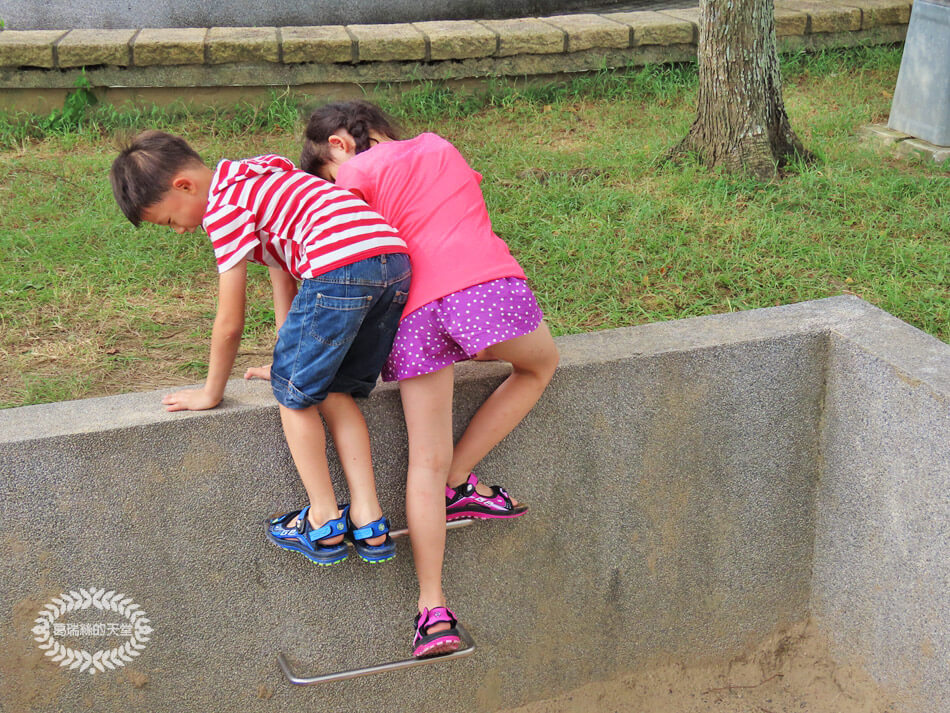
<point x="374" y="554"/>
<point x="303" y="537"/>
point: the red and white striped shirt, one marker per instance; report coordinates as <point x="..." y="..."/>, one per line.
<point x="268" y="211"/>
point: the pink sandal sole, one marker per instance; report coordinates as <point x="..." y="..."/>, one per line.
<point x="444" y="645"/>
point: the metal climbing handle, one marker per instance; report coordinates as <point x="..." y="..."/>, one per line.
<point x="467" y="650"/>
<point x="453" y="525"/>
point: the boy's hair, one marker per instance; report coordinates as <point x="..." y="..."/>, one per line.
<point x="144" y="170"/>
<point x="357" y="117"/>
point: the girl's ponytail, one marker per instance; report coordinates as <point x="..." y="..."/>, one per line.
<point x="358" y="118"/>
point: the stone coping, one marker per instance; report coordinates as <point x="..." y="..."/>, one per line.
<point x="258" y="56"/>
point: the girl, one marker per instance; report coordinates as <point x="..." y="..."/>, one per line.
<point x="468" y="296"/>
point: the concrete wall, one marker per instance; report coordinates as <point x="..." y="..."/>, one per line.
<point x="676" y="474"/>
<point x="224" y="65"/>
<point x="882" y="564"/>
<point x="54" y="14"/>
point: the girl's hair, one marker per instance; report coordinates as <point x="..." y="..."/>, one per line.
<point x="358" y="118"/>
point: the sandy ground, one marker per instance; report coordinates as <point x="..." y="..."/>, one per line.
<point x="791" y="672"/>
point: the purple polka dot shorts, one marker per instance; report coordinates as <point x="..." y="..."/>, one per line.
<point x="458" y="326"/>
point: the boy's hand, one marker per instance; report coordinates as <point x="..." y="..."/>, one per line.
<point x="258" y="372"/>
<point x="190" y="400"/>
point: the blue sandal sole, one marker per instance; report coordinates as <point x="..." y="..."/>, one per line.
<point x="329" y="562"/>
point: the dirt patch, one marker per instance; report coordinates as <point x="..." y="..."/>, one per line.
<point x="791" y="672"/>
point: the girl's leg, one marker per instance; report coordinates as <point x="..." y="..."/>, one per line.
<point x="303" y="429"/>
<point x="427" y="404"/>
<point x="351" y="437"/>
<point x="534" y="358"/>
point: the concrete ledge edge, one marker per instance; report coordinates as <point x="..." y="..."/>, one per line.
<point x="876" y="331"/>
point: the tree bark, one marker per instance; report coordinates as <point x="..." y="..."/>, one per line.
<point x="741" y="122"/>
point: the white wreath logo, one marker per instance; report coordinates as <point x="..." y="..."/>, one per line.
<point x="104" y="601"/>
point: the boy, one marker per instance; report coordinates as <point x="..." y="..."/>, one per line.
<point x="334" y="333"/>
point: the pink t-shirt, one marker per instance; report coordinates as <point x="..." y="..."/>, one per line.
<point x="273" y="214"/>
<point x="430" y="195"/>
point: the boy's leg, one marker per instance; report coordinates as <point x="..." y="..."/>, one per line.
<point x="384" y="283"/>
<point x="351" y="438"/>
<point x="534" y="358"/>
<point x="303" y="429"/>
<point x="427" y="404"/>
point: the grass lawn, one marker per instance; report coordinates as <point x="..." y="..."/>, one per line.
<point x="609" y="234"/>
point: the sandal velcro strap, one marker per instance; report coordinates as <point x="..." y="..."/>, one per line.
<point x="498" y="490"/>
<point x="374" y="529"/>
<point x="436" y="616"/>
<point x="451" y="492"/>
<point x="360" y="536"/>
<point x="330" y="528"/>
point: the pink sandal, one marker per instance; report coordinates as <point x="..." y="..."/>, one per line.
<point x="465" y="501"/>
<point x="439" y="642"/>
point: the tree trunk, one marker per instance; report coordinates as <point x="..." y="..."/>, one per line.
<point x="741" y="122"/>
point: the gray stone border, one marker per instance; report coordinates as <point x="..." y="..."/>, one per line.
<point x="449" y="50"/>
<point x="903" y="144"/>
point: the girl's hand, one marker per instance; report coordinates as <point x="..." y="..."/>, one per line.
<point x="258" y="372"/>
<point x="190" y="400"/>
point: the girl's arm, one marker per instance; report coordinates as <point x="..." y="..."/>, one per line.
<point x="225" y="340"/>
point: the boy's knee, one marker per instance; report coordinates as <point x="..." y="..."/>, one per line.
<point x="335" y="399"/>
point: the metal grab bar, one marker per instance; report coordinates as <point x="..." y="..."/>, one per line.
<point x="451" y="525"/>
<point x="469" y="648"/>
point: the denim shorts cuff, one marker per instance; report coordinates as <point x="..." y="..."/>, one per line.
<point x="288" y="395"/>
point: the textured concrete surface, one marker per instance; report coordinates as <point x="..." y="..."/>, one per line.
<point x="458" y="40"/>
<point x="903" y="144"/>
<point x="882" y="545"/>
<point x="326" y="44"/>
<point x="52" y="14"/>
<point x="227" y="45"/>
<point x="690" y="15"/>
<point x="655" y="28"/>
<point x="881" y="12"/>
<point x="170" y="46"/>
<point x="685" y="480"/>
<point x="585" y="32"/>
<point x="790" y="22"/>
<point x="918" y="148"/>
<point x="385" y="43"/>
<point x="28" y="49"/>
<point x="526" y="36"/>
<point x="91" y="47"/>
<point x="824" y="17"/>
<point x="651" y="511"/>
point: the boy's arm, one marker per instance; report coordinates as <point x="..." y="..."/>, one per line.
<point x="225" y="340"/>
<point x="285" y="289"/>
